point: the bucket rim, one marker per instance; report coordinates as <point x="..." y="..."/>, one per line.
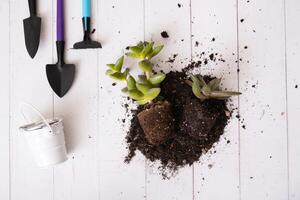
<point x="40" y="124"/>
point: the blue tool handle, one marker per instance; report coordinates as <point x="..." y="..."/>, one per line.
<point x="86" y="8"/>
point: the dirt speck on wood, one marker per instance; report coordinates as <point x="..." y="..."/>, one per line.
<point x="164" y="34"/>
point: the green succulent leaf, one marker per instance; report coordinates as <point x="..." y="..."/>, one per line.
<point x="126" y="72"/>
<point x="136" y="49"/>
<point x="136" y="94"/>
<point x="130" y="83"/>
<point x="202" y="81"/>
<point x="133" y="55"/>
<point x="223" y="94"/>
<point x="143" y="101"/>
<point x="140" y="45"/>
<point x="109" y="72"/>
<point x="147" y="49"/>
<point x="118" y="76"/>
<point x="157" y="78"/>
<point x="206" y="90"/>
<point x="197" y="81"/>
<point x="155" y="51"/>
<point x="146" y="65"/>
<point x="197" y="91"/>
<point x="125" y="90"/>
<point x="144" y="88"/>
<point x="152" y="93"/>
<point x="119" y="64"/>
<point x="143" y="79"/>
<point x="214" y="84"/>
<point x="111" y="66"/>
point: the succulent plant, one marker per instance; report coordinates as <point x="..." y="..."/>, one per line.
<point x="210" y="90"/>
<point x="146" y="88"/>
<point x="115" y="70"/>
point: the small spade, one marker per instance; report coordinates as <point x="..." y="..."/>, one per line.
<point x="87" y="42"/>
<point x="32" y="29"/>
<point x="60" y="75"/>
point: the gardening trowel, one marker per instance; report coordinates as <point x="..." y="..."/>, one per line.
<point x="86" y="22"/>
<point x="32" y="29"/>
<point x="60" y="75"/>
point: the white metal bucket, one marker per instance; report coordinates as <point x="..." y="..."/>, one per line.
<point x="45" y="139"/>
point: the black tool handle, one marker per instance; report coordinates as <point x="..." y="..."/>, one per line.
<point x="86" y="22"/>
<point x="60" y="48"/>
<point x="32" y="7"/>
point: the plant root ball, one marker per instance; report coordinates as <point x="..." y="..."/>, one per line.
<point x="198" y="118"/>
<point x="157" y="122"/>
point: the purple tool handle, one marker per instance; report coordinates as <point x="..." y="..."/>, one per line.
<point x="60" y="20"/>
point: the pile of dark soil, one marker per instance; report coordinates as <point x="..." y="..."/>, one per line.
<point x="197" y="126"/>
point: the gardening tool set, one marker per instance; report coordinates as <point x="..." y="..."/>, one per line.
<point x="60" y="75"/>
<point x="46" y="137"/>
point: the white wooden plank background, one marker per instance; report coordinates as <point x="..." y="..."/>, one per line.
<point x="261" y="161"/>
<point x="218" y="34"/>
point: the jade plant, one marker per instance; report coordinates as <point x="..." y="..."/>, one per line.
<point x="208" y="90"/>
<point x="146" y="88"/>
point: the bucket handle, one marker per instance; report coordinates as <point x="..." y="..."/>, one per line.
<point x="37" y="112"/>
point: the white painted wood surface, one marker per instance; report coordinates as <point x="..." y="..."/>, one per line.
<point x="261" y="161"/>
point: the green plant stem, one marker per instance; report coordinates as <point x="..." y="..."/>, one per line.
<point x="148" y="75"/>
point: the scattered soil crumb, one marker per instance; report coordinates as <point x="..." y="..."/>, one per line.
<point x="242" y="20"/>
<point x="164" y="34"/>
<point x="196" y="44"/>
<point x="114" y="84"/>
<point x="296" y="86"/>
<point x="213" y="39"/>
<point x="179" y="5"/>
<point x="172" y="58"/>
